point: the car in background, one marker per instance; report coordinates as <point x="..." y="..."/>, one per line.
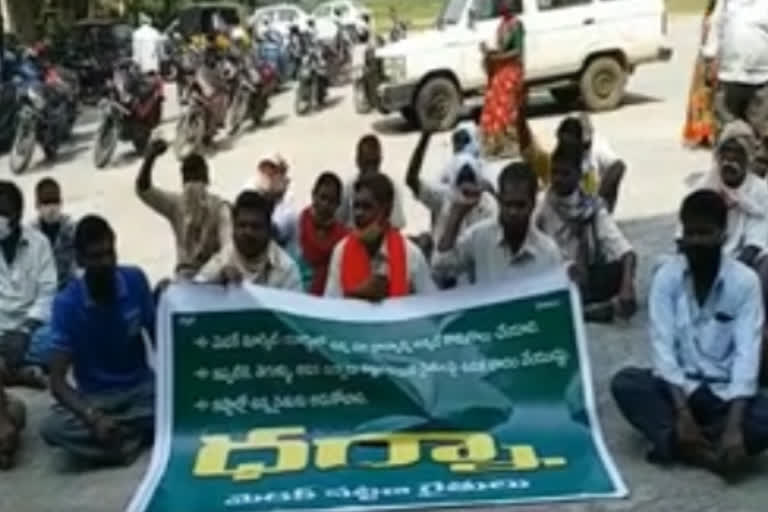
<point x="283" y="16"/>
<point x="353" y="16"/>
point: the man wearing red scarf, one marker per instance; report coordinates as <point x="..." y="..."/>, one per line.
<point x="376" y="261"/>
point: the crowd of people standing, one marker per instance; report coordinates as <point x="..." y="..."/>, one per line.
<point x="68" y="305"/>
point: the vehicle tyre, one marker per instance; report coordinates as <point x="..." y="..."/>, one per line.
<point x="438" y="104"/>
<point x="23" y="146"/>
<point x="603" y="83"/>
<point x="303" y="101"/>
<point x="239" y="110"/>
<point x="362" y="103"/>
<point x="259" y="108"/>
<point x="567" y="96"/>
<point x="190" y="132"/>
<point x="141" y="139"/>
<point x="106" y="142"/>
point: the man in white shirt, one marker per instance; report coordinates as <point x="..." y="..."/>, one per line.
<point x="369" y="159"/>
<point x="28" y="283"/>
<point x="700" y="403"/>
<point x="465" y="184"/>
<point x="375" y="261"/>
<point x="603" y="259"/>
<point x="738" y="46"/>
<point x="147" y="42"/>
<point x="506" y="247"/>
<point x="252" y="255"/>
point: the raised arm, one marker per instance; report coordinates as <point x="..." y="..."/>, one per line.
<point x="412" y="178"/>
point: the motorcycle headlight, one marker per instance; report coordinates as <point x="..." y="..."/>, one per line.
<point x="394" y="68"/>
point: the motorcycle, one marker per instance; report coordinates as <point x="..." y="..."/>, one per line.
<point x="132" y="108"/>
<point x="45" y="118"/>
<point x="367" y="82"/>
<point x="256" y="84"/>
<point x="312" y="87"/>
<point x="209" y="98"/>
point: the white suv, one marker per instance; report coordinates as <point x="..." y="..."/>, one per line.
<point x="578" y="49"/>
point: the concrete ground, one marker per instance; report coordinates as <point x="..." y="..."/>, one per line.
<point x="645" y="131"/>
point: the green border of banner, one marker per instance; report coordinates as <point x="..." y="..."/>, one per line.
<point x="206" y="298"/>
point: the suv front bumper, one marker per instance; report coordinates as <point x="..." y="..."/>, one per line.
<point x="394" y="98"/>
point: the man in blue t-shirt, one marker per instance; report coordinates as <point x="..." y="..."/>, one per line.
<point x="97" y="326"/>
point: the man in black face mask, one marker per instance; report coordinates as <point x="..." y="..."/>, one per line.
<point x="99" y="324"/>
<point x="700" y="403"/>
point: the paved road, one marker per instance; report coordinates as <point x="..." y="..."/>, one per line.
<point x="646" y="132"/>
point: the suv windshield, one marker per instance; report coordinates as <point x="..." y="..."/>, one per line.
<point x="451" y="13"/>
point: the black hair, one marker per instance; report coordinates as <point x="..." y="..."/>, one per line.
<point x="13" y="193"/>
<point x="379" y="185"/>
<point x="47" y="183"/>
<point x="518" y="173"/>
<point x="92" y="229"/>
<point x="569" y="152"/>
<point x="194" y="168"/>
<point x="705" y="205"/>
<point x="571" y="125"/>
<point x="369" y="143"/>
<point x="253" y="201"/>
<point x="329" y="178"/>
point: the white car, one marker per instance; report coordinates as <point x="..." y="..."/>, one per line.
<point x="350" y="13"/>
<point x="578" y="49"/>
<point x="284" y="16"/>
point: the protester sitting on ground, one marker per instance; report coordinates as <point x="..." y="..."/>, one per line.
<point x="200" y="220"/>
<point x="746" y="196"/>
<point x="271" y="181"/>
<point x="506" y="247"/>
<point x="376" y="261"/>
<point x="317" y="230"/>
<point x="13" y="418"/>
<point x="700" y="404"/>
<point x="58" y="227"/>
<point x="466" y="186"/>
<point x="602" y="169"/>
<point x="252" y="255"/>
<point x="27" y="287"/>
<point x="369" y="159"/>
<point x="603" y="260"/>
<point x="98" y="328"/>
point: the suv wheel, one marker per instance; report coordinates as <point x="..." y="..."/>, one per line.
<point x="438" y="104"/>
<point x="603" y="83"/>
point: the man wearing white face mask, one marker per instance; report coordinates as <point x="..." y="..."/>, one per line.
<point x="201" y="221"/>
<point x="57" y="227"/>
<point x="27" y="287"/>
<point x="464" y="185"/>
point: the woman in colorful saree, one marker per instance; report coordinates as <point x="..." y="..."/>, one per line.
<point x="504" y="65"/>
<point x="700" y="129"/>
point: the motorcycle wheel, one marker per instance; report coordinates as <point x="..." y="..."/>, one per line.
<point x="304" y="99"/>
<point x="190" y="133"/>
<point x="362" y="104"/>
<point x="141" y="138"/>
<point x="238" y="112"/>
<point x="106" y="142"/>
<point x="259" y="108"/>
<point x="23" y="145"/>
